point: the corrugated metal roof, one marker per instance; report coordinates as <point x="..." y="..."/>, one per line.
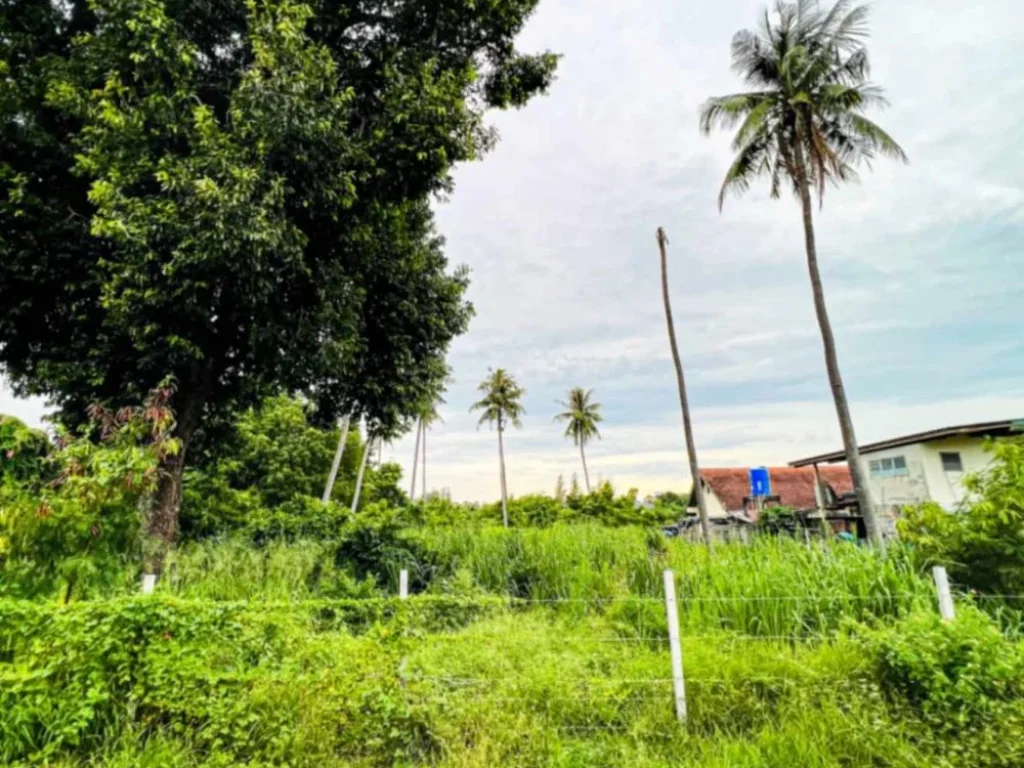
<point x="982" y="428"/>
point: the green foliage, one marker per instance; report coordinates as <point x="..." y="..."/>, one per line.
<point x="501" y="404"/>
<point x="237" y="195"/>
<point x="803" y="122"/>
<point x="776" y="518"/>
<point x="266" y="477"/>
<point x="22" y="451"/>
<point x="581" y="416"/>
<point x="950" y="670"/>
<point x="982" y="543"/>
<point x="77" y="527"/>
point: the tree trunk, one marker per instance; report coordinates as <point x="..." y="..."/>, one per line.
<point x="336" y="464"/>
<point x="691" y="448"/>
<point x="860" y="485"/>
<point x="423" y="491"/>
<point x="367" y="449"/>
<point x="504" y="489"/>
<point x="586" y="474"/>
<point x="415" y="460"/>
<point x="161" y="527"/>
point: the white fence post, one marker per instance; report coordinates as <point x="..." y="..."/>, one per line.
<point x="675" y="647"/>
<point x="945" y="596"/>
<point x="403" y="584"/>
<point x="148" y="583"/>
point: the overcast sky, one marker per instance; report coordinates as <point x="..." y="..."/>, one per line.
<point x="921" y="263"/>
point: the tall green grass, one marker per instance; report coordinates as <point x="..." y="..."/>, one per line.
<point x="771" y="587"/>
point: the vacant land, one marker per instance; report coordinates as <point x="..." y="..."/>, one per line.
<point x="519" y="648"/>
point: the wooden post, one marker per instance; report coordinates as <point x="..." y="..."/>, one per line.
<point x="675" y="647"/>
<point x="945" y="596"/>
<point x="148" y="583"/>
<point x="403" y="584"/>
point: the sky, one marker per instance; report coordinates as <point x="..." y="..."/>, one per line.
<point x="922" y="263"/>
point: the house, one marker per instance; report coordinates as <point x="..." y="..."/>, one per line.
<point x="727" y="490"/>
<point x="924" y="466"/>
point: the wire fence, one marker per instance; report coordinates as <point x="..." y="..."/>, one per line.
<point x="610" y="681"/>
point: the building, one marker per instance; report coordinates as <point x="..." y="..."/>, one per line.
<point x="925" y="466"/>
<point x="727" y="490"/>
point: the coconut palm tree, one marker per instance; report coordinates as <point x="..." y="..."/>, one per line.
<point x="684" y="402"/>
<point x="803" y="124"/>
<point x="500" y="405"/>
<point x="582" y="417"/>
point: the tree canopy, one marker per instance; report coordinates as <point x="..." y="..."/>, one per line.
<point x="502" y="400"/>
<point x="808" y="69"/>
<point x="581" y="416"/>
<point x="236" y="195"/>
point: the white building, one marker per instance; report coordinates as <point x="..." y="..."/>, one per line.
<point x="926" y="466"/>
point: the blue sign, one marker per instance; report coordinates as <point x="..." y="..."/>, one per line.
<point x="760" y="482"/>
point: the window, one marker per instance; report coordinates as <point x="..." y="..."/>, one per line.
<point x="895" y="466"/>
<point x="951" y="462"/>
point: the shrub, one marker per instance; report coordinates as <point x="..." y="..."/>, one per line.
<point x="79" y="527"/>
<point x="982" y="543"/>
<point x="949" y="669"/>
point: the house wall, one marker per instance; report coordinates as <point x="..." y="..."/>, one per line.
<point x="947" y="487"/>
<point x="714" y="504"/>
<point x="925" y="479"/>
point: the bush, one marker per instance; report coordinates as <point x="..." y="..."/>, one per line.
<point x="982" y="543"/>
<point x="954" y="669"/>
<point x="79" y="527"/>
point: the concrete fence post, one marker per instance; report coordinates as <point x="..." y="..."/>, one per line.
<point x="403" y="584"/>
<point x="148" y="583"/>
<point x="945" y="596"/>
<point x="674" y="645"/>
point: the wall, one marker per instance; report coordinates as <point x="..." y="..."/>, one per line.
<point x="925" y="479"/>
<point x="714" y="504"/>
<point x="900" y="490"/>
<point x="946" y="487"/>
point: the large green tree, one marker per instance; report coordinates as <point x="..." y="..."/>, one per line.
<point x="803" y="124"/>
<point x="236" y="194"/>
<point x="501" y="405"/>
<point x="581" y="417"/>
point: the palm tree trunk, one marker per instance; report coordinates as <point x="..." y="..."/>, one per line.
<point x="504" y="488"/>
<point x="586" y="475"/>
<point x="684" y="403"/>
<point x="336" y="464"/>
<point x="367" y="449"/>
<point x="415" y="460"/>
<point x="423" y="494"/>
<point x="860" y="485"/>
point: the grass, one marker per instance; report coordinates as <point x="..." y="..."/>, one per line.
<point x="522" y="648"/>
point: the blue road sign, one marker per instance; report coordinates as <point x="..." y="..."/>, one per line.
<point x="760" y="482"/>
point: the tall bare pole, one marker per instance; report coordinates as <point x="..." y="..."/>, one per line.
<point x="415" y="459"/>
<point x="333" y="475"/>
<point x="423" y="495"/>
<point x="367" y="450"/>
<point x="684" y="403"/>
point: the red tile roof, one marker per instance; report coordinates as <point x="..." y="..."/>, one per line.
<point x="793" y="485"/>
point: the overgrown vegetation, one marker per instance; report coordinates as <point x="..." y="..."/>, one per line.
<point x="982" y="543"/>
<point x="285" y="655"/>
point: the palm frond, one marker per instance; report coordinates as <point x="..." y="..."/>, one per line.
<point x="754" y="57"/>
<point x="752" y="161"/>
<point x="873" y="135"/>
<point x="726" y="111"/>
<point x="809" y="69"/>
